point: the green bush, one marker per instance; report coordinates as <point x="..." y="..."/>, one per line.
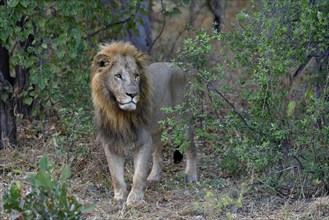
<point x="55" y="42"/>
<point x="46" y="199"/>
<point x="77" y="128"/>
<point x="263" y="114"/>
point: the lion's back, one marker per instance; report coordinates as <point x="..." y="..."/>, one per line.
<point x="168" y="85"/>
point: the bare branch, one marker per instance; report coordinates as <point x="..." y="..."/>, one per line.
<point x="232" y="106"/>
<point x="162" y="28"/>
<point x="301" y="67"/>
<point x="107" y="27"/>
<point x="113" y="24"/>
<point x="210" y="85"/>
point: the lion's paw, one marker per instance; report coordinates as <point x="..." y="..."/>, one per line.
<point x="190" y="179"/>
<point x="135" y="203"/>
<point x="135" y="198"/>
<point x="153" y="178"/>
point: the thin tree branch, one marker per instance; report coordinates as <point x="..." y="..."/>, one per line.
<point x="107" y="27"/>
<point x="232" y="106"/>
<point x="301" y="67"/>
<point x="180" y="32"/>
<point x="162" y="28"/>
<point x="113" y="24"/>
<point x="237" y="112"/>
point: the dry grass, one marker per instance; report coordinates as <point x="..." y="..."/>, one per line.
<point x="169" y="199"/>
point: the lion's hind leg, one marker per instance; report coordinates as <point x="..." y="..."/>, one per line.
<point x="191" y="159"/>
<point x="157" y="165"/>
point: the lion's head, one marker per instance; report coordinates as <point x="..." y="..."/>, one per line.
<point x="120" y="87"/>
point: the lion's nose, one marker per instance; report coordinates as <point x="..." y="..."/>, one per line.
<point x="132" y="95"/>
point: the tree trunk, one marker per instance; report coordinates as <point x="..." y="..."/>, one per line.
<point x="22" y="85"/>
<point x="22" y="77"/>
<point x="7" y="117"/>
<point x="192" y="8"/>
<point x="143" y="39"/>
<point x="216" y="10"/>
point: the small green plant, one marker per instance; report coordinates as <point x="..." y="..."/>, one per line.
<point x="76" y="129"/>
<point x="216" y="205"/>
<point x="46" y="199"/>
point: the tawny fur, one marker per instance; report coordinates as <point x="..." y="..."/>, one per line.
<point x="128" y="97"/>
<point x="112" y="122"/>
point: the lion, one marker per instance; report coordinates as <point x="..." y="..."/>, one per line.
<point x="128" y="96"/>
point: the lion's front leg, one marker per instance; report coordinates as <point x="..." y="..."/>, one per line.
<point x="141" y="159"/>
<point x="116" y="165"/>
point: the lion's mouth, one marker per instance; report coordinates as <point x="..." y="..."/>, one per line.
<point x="128" y="106"/>
<point x="127" y="103"/>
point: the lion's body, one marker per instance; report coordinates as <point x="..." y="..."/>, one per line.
<point x="167" y="88"/>
<point x="128" y="97"/>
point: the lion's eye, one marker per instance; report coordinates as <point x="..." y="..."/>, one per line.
<point x="101" y="63"/>
<point x="119" y="76"/>
<point x="136" y="75"/>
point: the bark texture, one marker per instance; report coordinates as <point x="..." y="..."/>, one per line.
<point x="7" y="117"/>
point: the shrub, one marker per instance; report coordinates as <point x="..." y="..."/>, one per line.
<point x="270" y="118"/>
<point x="47" y="197"/>
<point x="55" y="41"/>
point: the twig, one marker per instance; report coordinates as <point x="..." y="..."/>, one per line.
<point x="233" y="107"/>
<point x="180" y="32"/>
<point x="162" y="28"/>
<point x="301" y="67"/>
<point x="113" y="24"/>
<point x="106" y="27"/>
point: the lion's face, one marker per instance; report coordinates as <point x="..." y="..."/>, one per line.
<point x="123" y="81"/>
<point x="120" y="87"/>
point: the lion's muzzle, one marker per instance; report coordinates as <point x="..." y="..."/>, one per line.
<point x="129" y="103"/>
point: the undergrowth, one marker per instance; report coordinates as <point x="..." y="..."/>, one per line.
<point x="271" y="121"/>
<point x="47" y="197"/>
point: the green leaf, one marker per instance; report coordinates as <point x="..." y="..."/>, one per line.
<point x="4" y="97"/>
<point x="309" y="94"/>
<point x="12" y="198"/>
<point x="28" y="100"/>
<point x="65" y="173"/>
<point x="32" y="93"/>
<point x="43" y="180"/>
<point x="24" y="3"/>
<point x="43" y="163"/>
<point x="291" y="108"/>
<point x="17" y="171"/>
<point x="30" y="177"/>
<point x="186" y="2"/>
<point x="44" y="45"/>
<point x="13" y="3"/>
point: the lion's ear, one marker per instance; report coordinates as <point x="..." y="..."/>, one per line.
<point x="102" y="60"/>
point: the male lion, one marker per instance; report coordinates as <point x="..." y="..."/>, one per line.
<point x="127" y="96"/>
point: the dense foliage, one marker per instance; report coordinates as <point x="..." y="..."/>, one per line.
<point x="47" y="198"/>
<point x="51" y="45"/>
<point x="288" y="108"/>
<point x="265" y="106"/>
<point x="55" y="41"/>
